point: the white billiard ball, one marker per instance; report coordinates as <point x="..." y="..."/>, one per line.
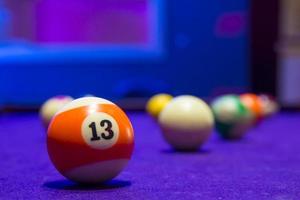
<point x="52" y="106"/>
<point x="186" y="122"/>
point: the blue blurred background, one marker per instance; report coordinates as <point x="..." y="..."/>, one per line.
<point x="118" y="50"/>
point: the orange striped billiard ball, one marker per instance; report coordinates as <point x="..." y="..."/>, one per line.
<point x="90" y="140"/>
<point x="253" y="103"/>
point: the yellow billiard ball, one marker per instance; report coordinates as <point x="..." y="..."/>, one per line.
<point x="157" y="103"/>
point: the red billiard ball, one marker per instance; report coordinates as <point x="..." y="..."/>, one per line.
<point x="90" y="140"/>
<point x="253" y="103"/>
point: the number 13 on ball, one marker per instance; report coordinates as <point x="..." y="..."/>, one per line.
<point x="90" y="140"/>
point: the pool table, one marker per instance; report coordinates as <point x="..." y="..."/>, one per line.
<point x="263" y="165"/>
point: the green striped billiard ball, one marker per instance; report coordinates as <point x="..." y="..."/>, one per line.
<point x="232" y="117"/>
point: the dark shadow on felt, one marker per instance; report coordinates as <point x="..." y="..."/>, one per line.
<point x="241" y="140"/>
<point x="69" y="185"/>
<point x="194" y="151"/>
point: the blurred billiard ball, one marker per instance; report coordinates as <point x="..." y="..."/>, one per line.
<point x="157" y="103"/>
<point x="52" y="106"/>
<point x="186" y="122"/>
<point x="233" y="119"/>
<point x="269" y="105"/>
<point x="253" y="103"/>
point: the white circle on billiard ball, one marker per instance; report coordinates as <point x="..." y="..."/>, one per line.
<point x="100" y="130"/>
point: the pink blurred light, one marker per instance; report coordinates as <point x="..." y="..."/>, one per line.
<point x="82" y="21"/>
<point x="231" y="24"/>
<point x="93" y="21"/>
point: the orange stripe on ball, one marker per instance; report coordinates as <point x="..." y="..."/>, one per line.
<point x="69" y="152"/>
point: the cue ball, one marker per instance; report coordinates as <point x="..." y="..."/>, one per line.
<point x="90" y="140"/>
<point x="186" y="122"/>
<point x="52" y="106"/>
<point x="157" y="103"/>
<point x="232" y="117"/>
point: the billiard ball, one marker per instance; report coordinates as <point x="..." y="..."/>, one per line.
<point x="232" y="117"/>
<point x="269" y="105"/>
<point x="186" y="122"/>
<point x="156" y="104"/>
<point x="51" y="106"/>
<point x="90" y="140"/>
<point x="253" y="103"/>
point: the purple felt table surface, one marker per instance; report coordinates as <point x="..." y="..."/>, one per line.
<point x="263" y="165"/>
